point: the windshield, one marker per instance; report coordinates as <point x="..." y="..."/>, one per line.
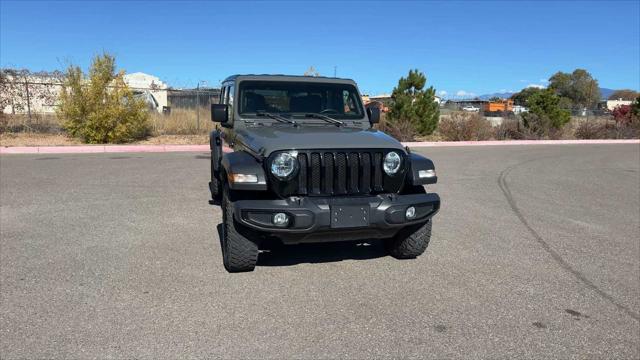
<point x="338" y="101"/>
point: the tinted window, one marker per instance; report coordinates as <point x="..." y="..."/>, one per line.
<point x="339" y="101"/>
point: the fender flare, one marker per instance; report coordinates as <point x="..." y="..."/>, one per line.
<point x="240" y="162"/>
<point x="418" y="162"/>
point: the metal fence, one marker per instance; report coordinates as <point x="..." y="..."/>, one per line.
<point x="30" y="106"/>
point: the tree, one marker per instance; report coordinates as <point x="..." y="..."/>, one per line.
<point x="545" y="114"/>
<point x="415" y="105"/>
<point x="579" y="86"/>
<point x="521" y="98"/>
<point x="101" y="108"/>
<point x="624" y="94"/>
<point x="495" y="99"/>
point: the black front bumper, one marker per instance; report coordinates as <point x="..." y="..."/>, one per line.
<point x="320" y="219"/>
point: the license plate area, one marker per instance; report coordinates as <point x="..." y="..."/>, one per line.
<point x="349" y="216"/>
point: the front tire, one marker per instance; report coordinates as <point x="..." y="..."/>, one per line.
<point x="239" y="254"/>
<point x="410" y="243"/>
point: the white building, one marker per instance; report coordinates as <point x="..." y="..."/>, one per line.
<point x="150" y="88"/>
<point x="612" y="104"/>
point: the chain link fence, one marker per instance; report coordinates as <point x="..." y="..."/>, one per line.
<point x="30" y="106"/>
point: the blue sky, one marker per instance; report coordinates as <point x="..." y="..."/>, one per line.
<point x="463" y="47"/>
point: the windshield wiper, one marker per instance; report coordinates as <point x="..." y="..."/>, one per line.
<point x="276" y="117"/>
<point x="325" y="118"/>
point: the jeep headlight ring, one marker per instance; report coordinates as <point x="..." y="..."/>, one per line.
<point x="392" y="163"/>
<point x="284" y="164"/>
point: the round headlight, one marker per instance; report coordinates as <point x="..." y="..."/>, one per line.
<point x="392" y="162"/>
<point x="283" y="165"/>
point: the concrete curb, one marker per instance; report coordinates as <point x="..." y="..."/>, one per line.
<point x="88" y="149"/>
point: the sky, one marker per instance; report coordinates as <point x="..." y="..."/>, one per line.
<point x="465" y="48"/>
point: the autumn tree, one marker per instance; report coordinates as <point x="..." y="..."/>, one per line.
<point x="100" y="107"/>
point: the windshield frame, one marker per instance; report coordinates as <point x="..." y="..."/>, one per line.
<point x="300" y="116"/>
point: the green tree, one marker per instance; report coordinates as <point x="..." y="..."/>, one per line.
<point x="579" y="87"/>
<point x="624" y="94"/>
<point x="545" y="114"/>
<point x="414" y="104"/>
<point x="521" y="98"/>
<point x="100" y="107"/>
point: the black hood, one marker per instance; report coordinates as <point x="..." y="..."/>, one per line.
<point x="267" y="139"/>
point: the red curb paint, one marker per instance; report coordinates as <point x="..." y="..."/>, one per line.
<point x="87" y="149"/>
<point x="517" y="142"/>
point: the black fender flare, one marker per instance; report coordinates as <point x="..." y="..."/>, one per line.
<point x="418" y="162"/>
<point x="215" y="144"/>
<point x="240" y="162"/>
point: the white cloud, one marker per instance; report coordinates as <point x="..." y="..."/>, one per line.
<point x="544" y="81"/>
<point x="523" y="81"/>
<point x="463" y="93"/>
<point x="539" y="86"/>
<point x="442" y="93"/>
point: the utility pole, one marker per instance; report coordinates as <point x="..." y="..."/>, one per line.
<point x="198" y="107"/>
<point x="335" y="71"/>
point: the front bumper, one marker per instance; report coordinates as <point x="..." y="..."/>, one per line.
<point x="319" y="219"/>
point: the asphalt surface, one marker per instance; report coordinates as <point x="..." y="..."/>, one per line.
<point x="535" y="253"/>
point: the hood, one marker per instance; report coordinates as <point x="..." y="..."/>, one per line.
<point x="273" y="138"/>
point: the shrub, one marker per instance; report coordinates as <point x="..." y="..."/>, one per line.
<point x="101" y="108"/>
<point x="464" y="127"/>
<point x="509" y="129"/>
<point x="607" y="130"/>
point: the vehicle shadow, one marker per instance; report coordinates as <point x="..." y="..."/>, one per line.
<point x="288" y="255"/>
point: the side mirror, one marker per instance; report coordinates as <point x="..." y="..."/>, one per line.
<point x="220" y="113"/>
<point x="374" y="114"/>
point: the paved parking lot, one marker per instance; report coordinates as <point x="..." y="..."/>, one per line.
<point x="536" y="253"/>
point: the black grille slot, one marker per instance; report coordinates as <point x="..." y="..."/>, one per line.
<point x="302" y="176"/>
<point x="365" y="179"/>
<point x="354" y="170"/>
<point x="327" y="173"/>
<point x="377" y="172"/>
<point x="341" y="174"/>
<point x="315" y="173"/>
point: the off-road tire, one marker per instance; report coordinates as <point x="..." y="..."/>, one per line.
<point x="214" y="185"/>
<point x="238" y="253"/>
<point x="410" y="243"/>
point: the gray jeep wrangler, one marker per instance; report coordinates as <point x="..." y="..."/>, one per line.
<point x="307" y="166"/>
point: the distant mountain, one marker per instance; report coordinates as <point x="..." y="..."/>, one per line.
<point x="604" y="94"/>
<point x="504" y="95"/>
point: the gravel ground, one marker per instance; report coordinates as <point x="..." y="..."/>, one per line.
<point x="535" y="254"/>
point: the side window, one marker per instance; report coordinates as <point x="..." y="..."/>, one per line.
<point x="230" y="90"/>
<point x="222" y="95"/>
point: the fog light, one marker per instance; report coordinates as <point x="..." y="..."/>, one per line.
<point x="410" y="213"/>
<point x="280" y="219"/>
<point x="422" y="174"/>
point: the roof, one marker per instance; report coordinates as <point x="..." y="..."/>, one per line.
<point x="282" y="77"/>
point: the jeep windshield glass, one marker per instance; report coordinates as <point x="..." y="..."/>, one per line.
<point x="289" y="98"/>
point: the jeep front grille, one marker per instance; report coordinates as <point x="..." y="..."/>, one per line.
<point x="341" y="172"/>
